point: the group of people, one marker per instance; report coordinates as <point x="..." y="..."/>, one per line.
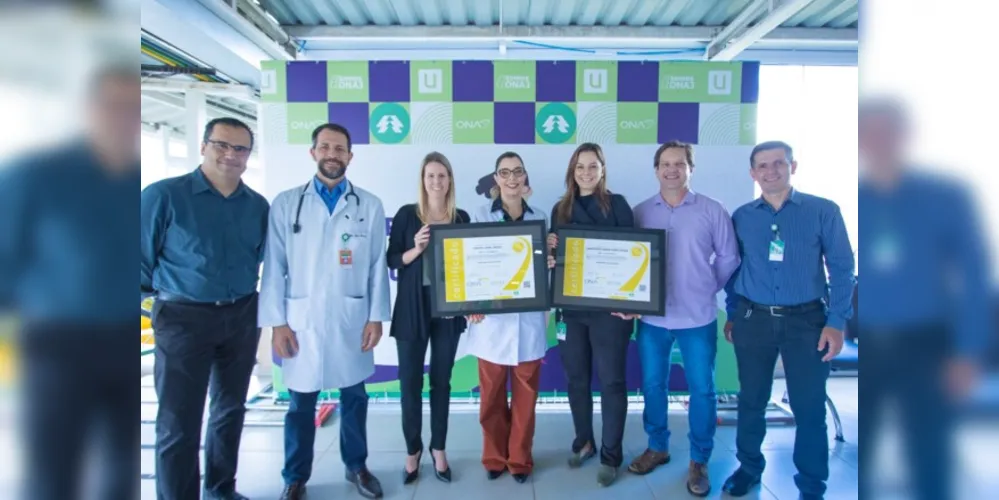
<point x="324" y="291"/>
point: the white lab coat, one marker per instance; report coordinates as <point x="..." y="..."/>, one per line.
<point x="512" y="338"/>
<point x="325" y="302"/>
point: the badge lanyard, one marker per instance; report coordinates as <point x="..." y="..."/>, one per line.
<point x="776" y="245"/>
<point x="886" y="246"/>
<point x="346" y="256"/>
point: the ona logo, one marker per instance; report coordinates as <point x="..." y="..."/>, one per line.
<point x="674" y="82"/>
<point x="339" y="82"/>
<point x="304" y="124"/>
<point x="430" y="81"/>
<point x="594" y="81"/>
<point x="638" y="124"/>
<point x="516" y="82"/>
<point x="719" y="82"/>
<point x="472" y="124"/>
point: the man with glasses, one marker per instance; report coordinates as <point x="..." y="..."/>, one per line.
<point x="202" y="243"/>
<point x="780" y="302"/>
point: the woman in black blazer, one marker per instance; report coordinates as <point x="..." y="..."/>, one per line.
<point x="593" y="337"/>
<point x="412" y="326"/>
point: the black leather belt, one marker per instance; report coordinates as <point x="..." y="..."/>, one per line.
<point x="787" y="310"/>
<point x="169" y="297"/>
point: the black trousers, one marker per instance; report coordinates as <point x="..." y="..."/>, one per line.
<point x="443" y="347"/>
<point x="905" y="367"/>
<point x="201" y="349"/>
<point x="601" y="339"/>
<point x="758" y="337"/>
<point x="79" y="391"/>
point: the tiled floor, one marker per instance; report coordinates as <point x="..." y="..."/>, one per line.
<point x="262" y="456"/>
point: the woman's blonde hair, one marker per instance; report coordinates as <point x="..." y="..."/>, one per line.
<point x="423" y="205"/>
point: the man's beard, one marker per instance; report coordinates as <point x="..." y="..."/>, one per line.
<point x="332" y="169"/>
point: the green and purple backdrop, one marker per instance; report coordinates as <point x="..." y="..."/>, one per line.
<point x="398" y="111"/>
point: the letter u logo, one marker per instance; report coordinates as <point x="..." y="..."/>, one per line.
<point x="431" y="81"/>
<point x="594" y="81"/>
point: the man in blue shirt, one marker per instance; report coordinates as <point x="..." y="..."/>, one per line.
<point x="67" y="219"/>
<point x="202" y="243"/>
<point x="780" y="302"/>
<point x="927" y="302"/>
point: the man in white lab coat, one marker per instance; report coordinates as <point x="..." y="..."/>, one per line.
<point x="325" y="292"/>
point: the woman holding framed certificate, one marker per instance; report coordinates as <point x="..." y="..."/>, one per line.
<point x="412" y="326"/>
<point x="588" y="336"/>
<point x="510" y="346"/>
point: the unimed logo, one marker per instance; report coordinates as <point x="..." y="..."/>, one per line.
<point x="430" y="81"/>
<point x="638" y="124"/>
<point x="347" y="83"/>
<point x="594" y="81"/>
<point x="516" y="82"/>
<point x="473" y="124"/>
<point x="268" y="81"/>
<point x="719" y="82"/>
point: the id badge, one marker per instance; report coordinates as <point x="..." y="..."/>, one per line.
<point x="346" y="258"/>
<point x="777" y="251"/>
<point x="886" y="253"/>
<point x="560" y="331"/>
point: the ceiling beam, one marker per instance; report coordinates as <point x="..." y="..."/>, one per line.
<point x="215" y="108"/>
<point x="741" y="21"/>
<point x="775" y="13"/>
<point x="220" y="89"/>
<point x="229" y="14"/>
<point x="193" y="30"/>
<point x="697" y="34"/>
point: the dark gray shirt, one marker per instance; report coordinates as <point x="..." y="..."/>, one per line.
<point x="199" y="244"/>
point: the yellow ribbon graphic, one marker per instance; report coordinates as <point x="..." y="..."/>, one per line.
<point x="520" y="245"/>
<point x="639" y="250"/>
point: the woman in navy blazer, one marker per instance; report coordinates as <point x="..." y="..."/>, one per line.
<point x="412" y="325"/>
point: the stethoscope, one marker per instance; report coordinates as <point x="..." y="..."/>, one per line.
<point x="297" y="227"/>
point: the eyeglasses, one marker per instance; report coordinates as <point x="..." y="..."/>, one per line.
<point x="224" y="147"/>
<point x="506" y="173"/>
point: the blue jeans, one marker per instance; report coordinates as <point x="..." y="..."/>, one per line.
<point x="698" y="347"/>
<point x="300" y="432"/>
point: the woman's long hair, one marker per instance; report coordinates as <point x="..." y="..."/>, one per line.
<point x="563" y="212"/>
<point x="423" y="205"/>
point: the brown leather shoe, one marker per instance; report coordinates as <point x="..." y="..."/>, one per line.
<point x="648" y="461"/>
<point x="698" y="483"/>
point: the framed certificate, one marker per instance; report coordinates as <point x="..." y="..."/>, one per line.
<point x="610" y="269"/>
<point x="488" y="268"/>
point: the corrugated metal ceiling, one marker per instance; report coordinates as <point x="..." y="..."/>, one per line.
<point x="820" y="13"/>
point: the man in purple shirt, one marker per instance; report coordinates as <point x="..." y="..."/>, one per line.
<point x="699" y="228"/>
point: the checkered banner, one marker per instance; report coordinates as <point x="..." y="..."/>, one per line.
<point x="518" y="102"/>
<point x="472" y="111"/>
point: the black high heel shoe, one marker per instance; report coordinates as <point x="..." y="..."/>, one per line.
<point x="407" y="476"/>
<point x="444" y="475"/>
